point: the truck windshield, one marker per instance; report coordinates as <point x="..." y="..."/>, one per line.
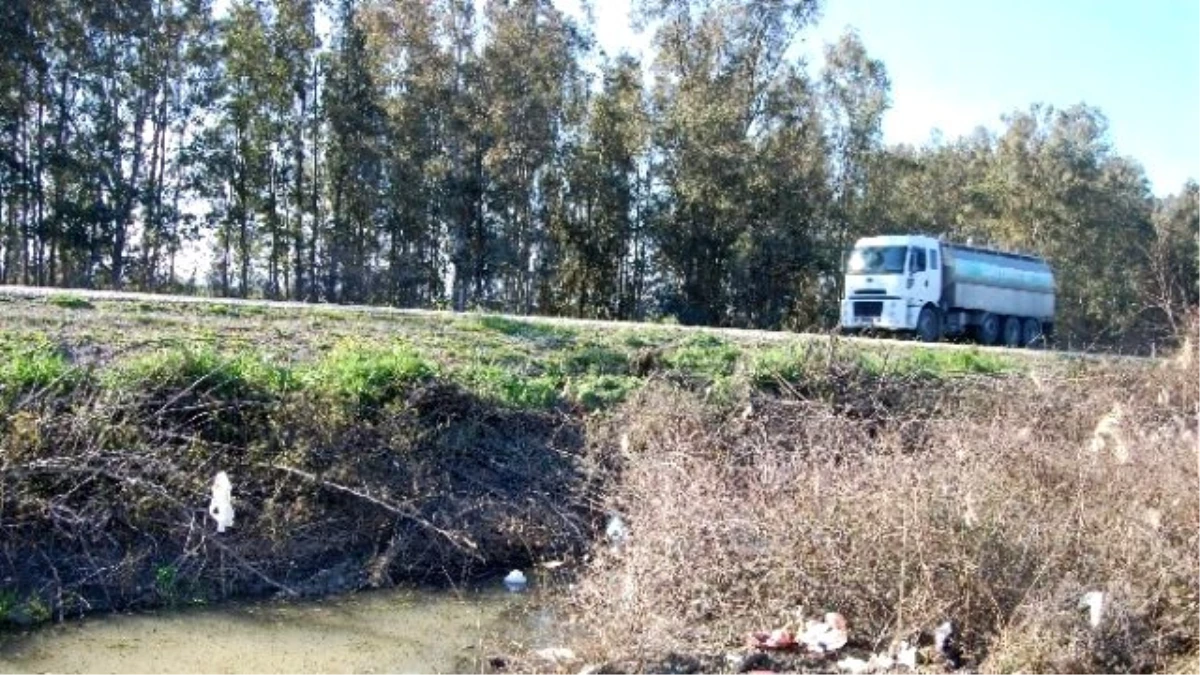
<point x="877" y="260"/>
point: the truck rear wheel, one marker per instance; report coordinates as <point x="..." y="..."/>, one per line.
<point x="988" y="330"/>
<point x="929" y="325"/>
<point x="1031" y="334"/>
<point x="1012" y="332"/>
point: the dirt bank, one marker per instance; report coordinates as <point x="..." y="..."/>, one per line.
<point x="105" y="495"/>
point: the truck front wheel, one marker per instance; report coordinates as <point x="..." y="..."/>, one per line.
<point x="929" y="325"/>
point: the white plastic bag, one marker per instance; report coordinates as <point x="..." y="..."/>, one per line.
<point x="221" y="508"/>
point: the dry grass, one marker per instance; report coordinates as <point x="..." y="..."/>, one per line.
<point x="989" y="507"/>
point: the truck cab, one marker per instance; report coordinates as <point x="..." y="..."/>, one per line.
<point x="889" y="281"/>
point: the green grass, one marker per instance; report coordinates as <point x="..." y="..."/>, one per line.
<point x="30" y="362"/>
<point x="937" y="362"/>
<point x="367" y="373"/>
<point x="705" y="356"/>
<point x="594" y="359"/>
<point x="513" y="389"/>
<point x="228" y="375"/>
<point x="524" y="330"/>
<point x="361" y="358"/>
<point x="597" y="392"/>
<point x="67" y="301"/>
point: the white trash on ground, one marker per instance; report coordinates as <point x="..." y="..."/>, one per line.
<point x="515" y="581"/>
<point x="221" y="507"/>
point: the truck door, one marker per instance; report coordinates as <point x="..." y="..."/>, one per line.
<point x="924" y="284"/>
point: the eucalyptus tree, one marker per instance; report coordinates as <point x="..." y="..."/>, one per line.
<point x="531" y="77"/>
<point x="601" y="236"/>
<point x="715" y="65"/>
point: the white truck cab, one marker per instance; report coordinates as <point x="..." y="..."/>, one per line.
<point x="933" y="288"/>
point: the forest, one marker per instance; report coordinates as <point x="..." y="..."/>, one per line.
<point x="486" y="154"/>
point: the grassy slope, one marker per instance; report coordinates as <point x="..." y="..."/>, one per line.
<point x="514" y="362"/>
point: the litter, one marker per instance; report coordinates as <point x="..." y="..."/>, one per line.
<point x="555" y="654"/>
<point x="221" y="507"/>
<point x="818" y="636"/>
<point x="1093" y="602"/>
<point x="616" y="531"/>
<point x="515" y="581"/>
<point x="825" y="636"/>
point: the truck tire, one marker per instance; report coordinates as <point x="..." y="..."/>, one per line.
<point x="988" y="330"/>
<point x="1012" y="331"/>
<point x="1031" y="334"/>
<point x="929" y="325"/>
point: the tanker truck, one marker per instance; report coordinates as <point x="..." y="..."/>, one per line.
<point x="935" y="289"/>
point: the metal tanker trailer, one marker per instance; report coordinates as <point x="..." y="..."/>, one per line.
<point x="936" y="288"/>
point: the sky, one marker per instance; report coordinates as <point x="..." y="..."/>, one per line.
<point x="959" y="64"/>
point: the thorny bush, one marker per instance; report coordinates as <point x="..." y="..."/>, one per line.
<point x="999" y="515"/>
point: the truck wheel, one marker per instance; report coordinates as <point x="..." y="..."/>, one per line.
<point x="929" y="325"/>
<point x="1031" y="334"/>
<point x="988" y="330"/>
<point x="1012" y="332"/>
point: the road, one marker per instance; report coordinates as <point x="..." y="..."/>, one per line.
<point x="740" y="334"/>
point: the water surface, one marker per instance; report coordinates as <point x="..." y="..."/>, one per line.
<point x="382" y="631"/>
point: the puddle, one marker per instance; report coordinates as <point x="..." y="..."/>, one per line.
<point x="381" y="631"/>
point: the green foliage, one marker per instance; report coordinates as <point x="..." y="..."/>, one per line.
<point x="526" y="330"/>
<point x="32" y="362"/>
<point x="596" y="392"/>
<point x="936" y="362"/>
<point x="367" y="373"/>
<point x="242" y="374"/>
<point x="67" y="301"/>
<point x="703" y="355"/>
<point x="166" y="582"/>
<point x="787" y="363"/>
<point x="594" y="359"/>
<point x="510" y="388"/>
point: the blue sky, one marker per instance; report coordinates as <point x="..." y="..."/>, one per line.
<point x="957" y="64"/>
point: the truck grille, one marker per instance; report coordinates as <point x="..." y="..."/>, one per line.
<point x="872" y="308"/>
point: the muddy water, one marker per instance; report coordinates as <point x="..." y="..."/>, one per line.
<point x="385" y="631"/>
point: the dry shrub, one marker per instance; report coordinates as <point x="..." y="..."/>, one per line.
<point x="104" y="505"/>
<point x="1001" y="520"/>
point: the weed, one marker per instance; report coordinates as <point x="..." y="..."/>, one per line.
<point x="787" y="363"/>
<point x="703" y="355"/>
<point x="166" y="582"/>
<point x="229" y="376"/>
<point x="594" y="359"/>
<point x="526" y="330"/>
<point x="509" y="388"/>
<point x="935" y="362"/>
<point x="67" y="301"/>
<point x="596" y="392"/>
<point x="218" y="309"/>
<point x="367" y="373"/>
<point x="31" y="362"/>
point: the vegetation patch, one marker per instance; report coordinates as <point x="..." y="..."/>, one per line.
<point x="366" y="373"/>
<point x="67" y="301"/>
<point x="526" y="330"/>
<point x="510" y="388"/>
<point x="198" y="365"/>
<point x="29" y="362"/>
<point x="703" y="355"/>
